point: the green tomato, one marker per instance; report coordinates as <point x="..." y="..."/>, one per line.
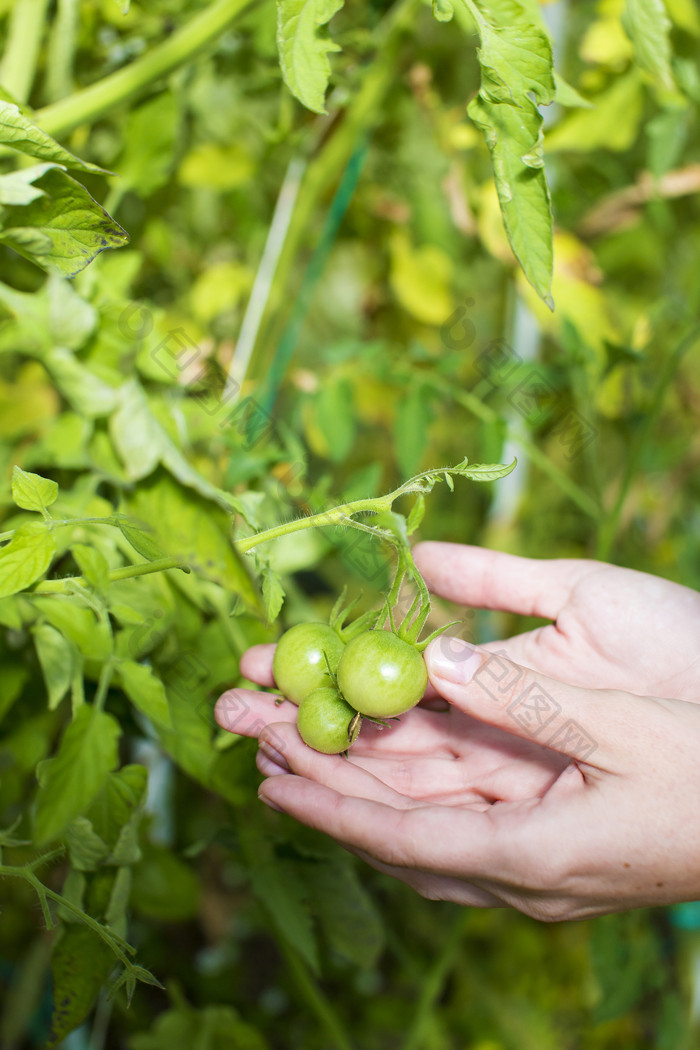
<point x="380" y="675"/>
<point x="299" y="664"/>
<point x="326" y="722"/>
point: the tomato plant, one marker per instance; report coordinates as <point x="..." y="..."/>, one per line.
<point x="264" y="320"/>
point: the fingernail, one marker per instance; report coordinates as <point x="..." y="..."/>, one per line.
<point x="272" y="753"/>
<point x="452" y="659"/>
<point x="269" y="802"/>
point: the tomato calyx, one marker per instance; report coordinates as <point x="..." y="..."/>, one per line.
<point x="340" y="612"/>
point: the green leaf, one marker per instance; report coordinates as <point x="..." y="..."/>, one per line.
<point x="211" y="1028"/>
<point x="443" y="11"/>
<point x="416" y="515"/>
<point x="488" y="471"/>
<point x="116" y="914"/>
<point x="568" y="96"/>
<point x="62" y="231"/>
<point x="142" y="443"/>
<point x="116" y="812"/>
<point x="93" y="566"/>
<point x="281" y="893"/>
<point x="164" y="887"/>
<point x="648" y="26"/>
<point x="517" y="75"/>
<point x="303" y="54"/>
<point x="625" y="962"/>
<point x="149" y="145"/>
<point x="515" y="55"/>
<point x="17" y="187"/>
<point x="194" y="530"/>
<point x="140" y="539"/>
<point x="413" y="418"/>
<point x="25" y="558"/>
<point x="336" y="418"/>
<point x="146" y="692"/>
<point x="31" y="491"/>
<point x="58" y="660"/>
<point x="514" y="138"/>
<point x="78" y="623"/>
<point x="273" y="593"/>
<point x="349" y="918"/>
<point x="18" y="132"/>
<point x="85" y="848"/>
<point x="80" y="964"/>
<point x="71" y="780"/>
<point x="88" y="394"/>
<point x="613" y="123"/>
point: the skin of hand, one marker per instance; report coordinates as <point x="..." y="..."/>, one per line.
<point x="563" y="778"/>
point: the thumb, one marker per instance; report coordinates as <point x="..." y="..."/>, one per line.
<point x="486" y="685"/>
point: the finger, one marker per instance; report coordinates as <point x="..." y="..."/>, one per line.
<point x="281" y="743"/>
<point x="586" y="724"/>
<point x="435" y="887"/>
<point x="494" y="580"/>
<point x="447" y="841"/>
<point x="256" y="664"/>
<point x="247" y="712"/>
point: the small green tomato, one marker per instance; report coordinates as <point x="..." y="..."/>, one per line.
<point x="381" y="675"/>
<point x="326" y="722"/>
<point x="299" y="664"/>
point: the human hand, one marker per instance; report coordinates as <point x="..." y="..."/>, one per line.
<point x="612" y="628"/>
<point x="454" y="768"/>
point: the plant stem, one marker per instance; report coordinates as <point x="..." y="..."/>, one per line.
<point x="316" y="1000"/>
<point x="19" y="60"/>
<point x="334" y="516"/>
<point x="26" y="871"/>
<point x="92" y="102"/>
<point x="53" y="523"/>
<point x="126" y="572"/>
<point x="342" y="515"/>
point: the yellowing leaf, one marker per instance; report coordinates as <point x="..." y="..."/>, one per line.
<point x="219" y="289"/>
<point x="421" y="278"/>
<point x="216" y="167"/>
<point x="605" y="44"/>
<point x="613" y="123"/>
<point x="580" y="301"/>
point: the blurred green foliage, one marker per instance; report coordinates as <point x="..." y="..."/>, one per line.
<point x="396" y="334"/>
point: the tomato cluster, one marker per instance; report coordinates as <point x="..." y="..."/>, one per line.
<point x="376" y="674"/>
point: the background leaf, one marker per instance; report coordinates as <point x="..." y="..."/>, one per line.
<point x="303" y="53"/>
<point x="31" y="491"/>
<point x="62" y="231"/>
<point x="71" y="780"/>
<point x="25" y="559"/>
